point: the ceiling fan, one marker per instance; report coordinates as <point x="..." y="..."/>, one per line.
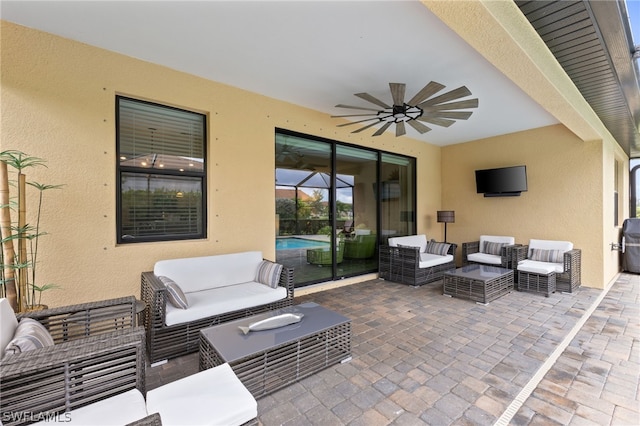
<point x="424" y="107"/>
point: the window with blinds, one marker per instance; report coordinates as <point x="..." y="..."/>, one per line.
<point x="161" y="172"/>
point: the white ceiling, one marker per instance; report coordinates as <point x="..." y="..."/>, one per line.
<point x="311" y="53"/>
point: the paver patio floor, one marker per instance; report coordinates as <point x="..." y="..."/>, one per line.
<point x="423" y="358"/>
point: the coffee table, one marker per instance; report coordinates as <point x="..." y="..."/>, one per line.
<point x="480" y="283"/>
<point x="268" y="360"/>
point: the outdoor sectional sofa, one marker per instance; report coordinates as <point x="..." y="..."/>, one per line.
<point x="215" y="289"/>
<point x="415" y="261"/>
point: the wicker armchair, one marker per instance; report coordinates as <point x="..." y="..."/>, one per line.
<point x="97" y="354"/>
<point x="478" y="252"/>
<point x="567" y="276"/>
<point x="402" y="264"/>
<point x="164" y="341"/>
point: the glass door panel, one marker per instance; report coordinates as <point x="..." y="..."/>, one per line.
<point x="397" y="196"/>
<point x="303" y="208"/>
<point x="356" y="175"/>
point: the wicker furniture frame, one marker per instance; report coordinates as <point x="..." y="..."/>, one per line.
<point x="297" y="355"/>
<point x="506" y="255"/>
<point x="467" y="283"/>
<point x="567" y="281"/>
<point x="105" y="359"/>
<point x="165" y="341"/>
<point x="401" y="264"/>
<point x="537" y="283"/>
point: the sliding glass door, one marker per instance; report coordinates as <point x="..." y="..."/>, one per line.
<point x="331" y="210"/>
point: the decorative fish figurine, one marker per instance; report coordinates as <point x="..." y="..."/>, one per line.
<point x="273" y="322"/>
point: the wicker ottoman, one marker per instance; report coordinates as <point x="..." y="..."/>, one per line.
<point x="536" y="283"/>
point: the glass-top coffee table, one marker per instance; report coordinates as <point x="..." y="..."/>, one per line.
<point x="268" y="360"/>
<point x="480" y="283"/>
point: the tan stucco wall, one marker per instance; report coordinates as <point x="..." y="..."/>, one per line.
<point x="564" y="200"/>
<point x="58" y="103"/>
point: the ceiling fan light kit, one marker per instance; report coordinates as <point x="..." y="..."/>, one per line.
<point x="424" y="107"/>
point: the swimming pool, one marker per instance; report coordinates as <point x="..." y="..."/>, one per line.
<point x="298" y="243"/>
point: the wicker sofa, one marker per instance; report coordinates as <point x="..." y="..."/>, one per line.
<point x="218" y="288"/>
<point x="97" y="353"/>
<point x="415" y="261"/>
<point x="544" y="266"/>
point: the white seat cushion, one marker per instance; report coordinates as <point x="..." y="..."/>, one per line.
<point x="121" y="409"/>
<point x="411" y="240"/>
<point x="428" y="260"/>
<point x="536" y="267"/>
<point x="485" y="258"/>
<point x="211" y="397"/>
<point x="206" y="303"/>
<point x="8" y="324"/>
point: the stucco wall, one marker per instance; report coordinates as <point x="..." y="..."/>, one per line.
<point x="58" y="103"/>
<point x="563" y="201"/>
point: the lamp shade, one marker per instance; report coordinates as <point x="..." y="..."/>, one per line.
<point x="446" y="216"/>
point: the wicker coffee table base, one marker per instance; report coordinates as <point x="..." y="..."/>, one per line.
<point x="480" y="291"/>
<point x="280" y="366"/>
<point x="536" y="283"/>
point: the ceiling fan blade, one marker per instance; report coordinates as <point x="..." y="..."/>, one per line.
<point x="444" y="122"/>
<point x="397" y="92"/>
<point x="468" y="103"/>
<point x="460" y="92"/>
<point x="458" y="115"/>
<point x="400" y="130"/>
<point x="356" y="107"/>
<point x="429" y="90"/>
<point x="364" y="128"/>
<point x="369" y="98"/>
<point x="382" y="129"/>
<point x="359" y="121"/>
<point x="354" y="115"/>
<point x="421" y="128"/>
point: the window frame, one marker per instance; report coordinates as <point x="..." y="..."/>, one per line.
<point x="124" y="169"/>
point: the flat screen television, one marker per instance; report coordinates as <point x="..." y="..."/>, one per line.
<point x="502" y="182"/>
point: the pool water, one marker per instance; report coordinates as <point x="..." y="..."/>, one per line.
<point x="298" y="243"/>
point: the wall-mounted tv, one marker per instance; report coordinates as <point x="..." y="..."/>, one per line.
<point x="502" y="182"/>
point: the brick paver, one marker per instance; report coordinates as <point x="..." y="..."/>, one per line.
<point x="423" y="358"/>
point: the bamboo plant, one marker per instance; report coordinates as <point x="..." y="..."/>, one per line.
<point x="19" y="239"/>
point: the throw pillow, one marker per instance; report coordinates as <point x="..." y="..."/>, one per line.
<point x="30" y="335"/>
<point x="174" y="293"/>
<point x="493" y="248"/>
<point x="268" y="273"/>
<point x="438" y="248"/>
<point x="555" y="256"/>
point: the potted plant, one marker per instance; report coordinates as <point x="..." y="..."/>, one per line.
<point x="19" y="239"/>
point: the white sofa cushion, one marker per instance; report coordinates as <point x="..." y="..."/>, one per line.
<point x="549" y="245"/>
<point x="206" y="272"/>
<point x="8" y="324"/>
<point x="428" y="260"/>
<point x="495" y="239"/>
<point x="220" y="300"/>
<point x="536" y="267"/>
<point x="485" y="258"/>
<point x="211" y="397"/>
<point x="411" y="240"/>
<point x="120" y="409"/>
